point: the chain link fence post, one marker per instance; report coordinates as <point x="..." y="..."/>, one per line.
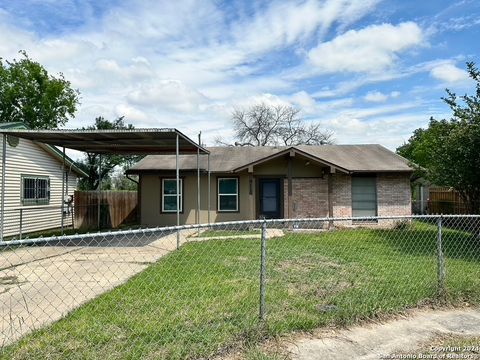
<point x="263" y="271"/>
<point x="440" y="261"/>
<point x="20" y="230"/>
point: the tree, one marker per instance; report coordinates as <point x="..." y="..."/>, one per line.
<point x="263" y="125"/>
<point x="29" y="94"/>
<point x="448" y="151"/>
<point x="121" y="182"/>
<point x="92" y="162"/>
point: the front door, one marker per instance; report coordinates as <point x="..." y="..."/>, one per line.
<point x="269" y="193"/>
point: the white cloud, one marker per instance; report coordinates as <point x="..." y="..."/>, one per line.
<point x="304" y="101"/>
<point x="376" y="96"/>
<point x="169" y="94"/>
<point x="285" y="23"/>
<point x="371" y="49"/>
<point x="108" y="65"/>
<point x="131" y="113"/>
<point x="449" y="73"/>
<point x="379" y="97"/>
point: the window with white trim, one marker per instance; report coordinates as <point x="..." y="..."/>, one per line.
<point x="169" y="195"/>
<point x="227" y="194"/>
<point x="35" y="190"/>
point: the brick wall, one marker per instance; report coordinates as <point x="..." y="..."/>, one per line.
<point x="394" y="195"/>
<point x="342" y="195"/>
<point x="309" y="197"/>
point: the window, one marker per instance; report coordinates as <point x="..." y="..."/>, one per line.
<point x="364" y="196"/>
<point x="169" y="195"/>
<point x="35" y="190"/>
<point x="227" y="194"/>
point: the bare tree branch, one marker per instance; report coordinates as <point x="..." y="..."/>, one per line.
<point x="263" y="125"/>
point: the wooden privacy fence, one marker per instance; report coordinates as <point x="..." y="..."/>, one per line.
<point x="444" y="200"/>
<point x="116" y="208"/>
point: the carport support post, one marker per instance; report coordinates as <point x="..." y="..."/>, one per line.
<point x="177" y="177"/>
<point x="63" y="188"/>
<point x="263" y="272"/>
<point x="440" y="261"/>
<point x="2" y="204"/>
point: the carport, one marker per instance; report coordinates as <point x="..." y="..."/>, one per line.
<point x="122" y="142"/>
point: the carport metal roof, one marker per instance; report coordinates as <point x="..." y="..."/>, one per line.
<point x="129" y="141"/>
<point x="126" y="142"/>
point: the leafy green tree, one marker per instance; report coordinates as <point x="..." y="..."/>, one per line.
<point x="448" y="151"/>
<point x="122" y="183"/>
<point x="105" y="164"/>
<point x="29" y="94"/>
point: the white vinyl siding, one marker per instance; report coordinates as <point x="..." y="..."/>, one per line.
<point x="30" y="159"/>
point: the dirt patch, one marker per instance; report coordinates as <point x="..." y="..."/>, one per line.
<point x="307" y="264"/>
<point x="333" y="277"/>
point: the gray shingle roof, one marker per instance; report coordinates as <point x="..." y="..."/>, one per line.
<point x="353" y="158"/>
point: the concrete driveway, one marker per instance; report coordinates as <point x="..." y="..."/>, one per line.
<point x="41" y="284"/>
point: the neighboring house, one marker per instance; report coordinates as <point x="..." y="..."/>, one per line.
<point x="276" y="182"/>
<point x="33" y="184"/>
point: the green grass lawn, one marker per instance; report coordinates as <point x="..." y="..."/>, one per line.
<point x="203" y="299"/>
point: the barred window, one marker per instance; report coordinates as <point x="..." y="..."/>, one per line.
<point x="35" y="190"/>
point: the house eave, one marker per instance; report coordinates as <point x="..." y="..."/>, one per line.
<point x="295" y="151"/>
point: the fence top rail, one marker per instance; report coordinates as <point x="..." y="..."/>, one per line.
<point x="167" y="229"/>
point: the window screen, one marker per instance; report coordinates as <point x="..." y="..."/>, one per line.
<point x="364" y="196"/>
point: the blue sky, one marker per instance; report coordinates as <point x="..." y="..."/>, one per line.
<point x="371" y="71"/>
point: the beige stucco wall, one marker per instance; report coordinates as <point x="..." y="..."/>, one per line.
<point x="150" y="201"/>
<point x="301" y="167"/>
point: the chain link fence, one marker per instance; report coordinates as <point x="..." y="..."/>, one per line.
<point x="33" y="221"/>
<point x="202" y="291"/>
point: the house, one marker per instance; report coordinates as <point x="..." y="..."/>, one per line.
<point x="33" y="184"/>
<point x="275" y="182"/>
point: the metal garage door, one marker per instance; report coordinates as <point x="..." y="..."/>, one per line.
<point x="364" y="196"/>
